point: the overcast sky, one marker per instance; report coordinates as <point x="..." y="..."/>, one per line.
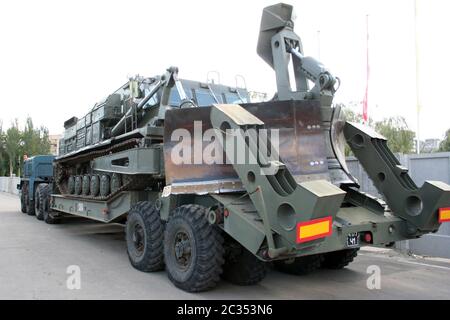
<point x="57" y="58"/>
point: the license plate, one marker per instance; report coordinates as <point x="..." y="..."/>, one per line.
<point x="353" y="240"/>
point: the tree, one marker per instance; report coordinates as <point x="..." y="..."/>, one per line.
<point x="395" y="130"/>
<point x="399" y="138"/>
<point x="12" y="145"/>
<point x="2" y="149"/>
<point x="351" y="116"/>
<point x="444" y="146"/>
<point x="33" y="141"/>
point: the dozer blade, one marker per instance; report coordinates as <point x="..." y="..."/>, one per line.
<point x="302" y="146"/>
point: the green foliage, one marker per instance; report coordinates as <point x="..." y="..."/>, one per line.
<point x="400" y="138"/>
<point x="444" y="146"/>
<point x="395" y="130"/>
<point x="14" y="144"/>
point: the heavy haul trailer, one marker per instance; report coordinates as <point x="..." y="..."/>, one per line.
<point x="297" y="206"/>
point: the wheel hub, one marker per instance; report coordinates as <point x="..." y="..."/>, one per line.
<point x="182" y="249"/>
<point x="138" y="238"/>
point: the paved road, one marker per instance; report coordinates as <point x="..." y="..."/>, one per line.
<point x="34" y="258"/>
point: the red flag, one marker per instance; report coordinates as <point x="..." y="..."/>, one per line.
<point x="366" y="95"/>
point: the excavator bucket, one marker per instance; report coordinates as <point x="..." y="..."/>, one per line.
<point x="301" y="146"/>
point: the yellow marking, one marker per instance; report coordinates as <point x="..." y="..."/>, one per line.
<point x="314" y="229"/>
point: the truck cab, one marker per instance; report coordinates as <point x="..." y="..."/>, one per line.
<point x="37" y="170"/>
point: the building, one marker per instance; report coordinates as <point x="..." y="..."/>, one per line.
<point x="54" y="143"/>
<point x="427" y="146"/>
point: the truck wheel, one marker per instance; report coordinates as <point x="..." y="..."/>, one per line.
<point x="242" y="267"/>
<point x="339" y="259"/>
<point x="193" y="249"/>
<point x="30" y="205"/>
<point x="48" y="214"/>
<point x="144" y="235"/>
<point x="23" y="200"/>
<point x="301" y="265"/>
<point x="37" y="203"/>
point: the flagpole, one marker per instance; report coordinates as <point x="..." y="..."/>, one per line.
<point x="418" y="103"/>
<point x="318" y="45"/>
<point x="366" y="95"/>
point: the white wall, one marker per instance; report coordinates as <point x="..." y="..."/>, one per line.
<point x="8" y="184"/>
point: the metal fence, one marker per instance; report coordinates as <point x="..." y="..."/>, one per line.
<point x="435" y="166"/>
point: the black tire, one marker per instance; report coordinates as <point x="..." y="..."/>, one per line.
<point x="38" y="205"/>
<point x="49" y="216"/>
<point x="339" y="259"/>
<point x="23" y="200"/>
<point x="30" y="205"/>
<point x="241" y="267"/>
<point x="193" y="249"/>
<point x="144" y="233"/>
<point x="301" y="265"/>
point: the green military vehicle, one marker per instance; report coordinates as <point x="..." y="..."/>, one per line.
<point x="209" y="185"/>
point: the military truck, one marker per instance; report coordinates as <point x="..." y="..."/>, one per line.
<point x="37" y="174"/>
<point x="209" y="185"/>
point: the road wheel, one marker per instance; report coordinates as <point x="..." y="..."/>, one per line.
<point x="49" y="216"/>
<point x="23" y="200"/>
<point x="193" y="249"/>
<point x="144" y="234"/>
<point x="105" y="185"/>
<point x="301" y="265"/>
<point x="95" y="185"/>
<point x="78" y="184"/>
<point x="116" y="182"/>
<point x="37" y="203"/>
<point x="339" y="259"/>
<point x="71" y="185"/>
<point x="242" y="267"/>
<point x="85" y="185"/>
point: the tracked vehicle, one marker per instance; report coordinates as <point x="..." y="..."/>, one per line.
<point x="209" y="185"/>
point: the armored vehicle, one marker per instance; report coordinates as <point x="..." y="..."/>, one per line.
<point x="210" y="185"/>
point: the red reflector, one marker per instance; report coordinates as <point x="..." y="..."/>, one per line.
<point x="444" y="215"/>
<point x="314" y="229"/>
<point x="226" y="213"/>
<point x="368" y="237"/>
